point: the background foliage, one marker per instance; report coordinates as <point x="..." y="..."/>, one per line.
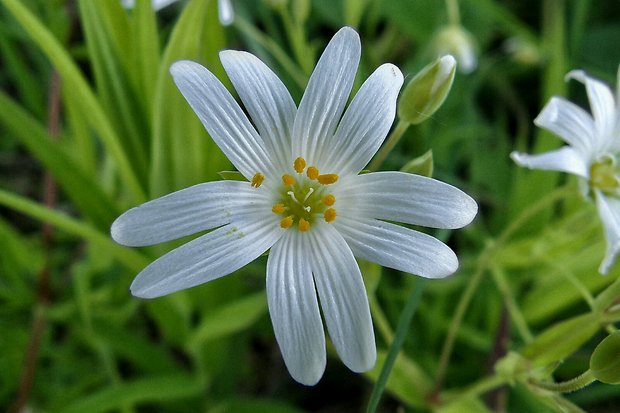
<point x="91" y="124"/>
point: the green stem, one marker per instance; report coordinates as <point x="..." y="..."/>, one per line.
<point x="401" y="331"/>
<point x="380" y="320"/>
<point x="568" y="386"/>
<point x="461" y="308"/>
<point x="390" y="142"/>
<point x="483" y="264"/>
<point x="454" y="17"/>
<point x="513" y="308"/>
<point x="477" y="389"/>
<point x="280" y="55"/>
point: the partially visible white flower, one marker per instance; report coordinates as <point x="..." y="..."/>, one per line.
<point x="157" y="4"/>
<point x="458" y="42"/>
<point x="592" y="153"/>
<point x="226" y="13"/>
<point x="303" y="200"/>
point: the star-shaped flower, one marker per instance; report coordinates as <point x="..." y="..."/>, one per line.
<point x="304" y="200"/>
<point x="592" y="153"/>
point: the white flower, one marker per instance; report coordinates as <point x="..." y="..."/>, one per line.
<point x="304" y="200"/>
<point x="157" y="4"/>
<point x="592" y="153"/>
<point x="225" y="10"/>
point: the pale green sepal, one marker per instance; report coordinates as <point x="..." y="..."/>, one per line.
<point x="426" y="92"/>
<point x="605" y="360"/>
<point x="232" y="175"/>
<point x="422" y="165"/>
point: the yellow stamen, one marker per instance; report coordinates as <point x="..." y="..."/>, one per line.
<point x="312" y="172"/>
<point x="288" y="180"/>
<point x="300" y="165"/>
<point x="303" y="225"/>
<point x="327" y="179"/>
<point x="329" y="200"/>
<point x="329" y="214"/>
<point x="286" y="222"/>
<point x="278" y="209"/>
<point x="257" y="180"/>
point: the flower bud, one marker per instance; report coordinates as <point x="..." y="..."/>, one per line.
<point x="425" y="93"/>
<point x="457" y="41"/>
<point x="604" y="362"/>
<point x="422" y="165"/>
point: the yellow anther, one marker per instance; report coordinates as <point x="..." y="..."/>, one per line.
<point x="312" y="172"/>
<point x="257" y="179"/>
<point x="278" y="209"/>
<point x="329" y="214"/>
<point x="303" y="225"/>
<point x="327" y="179"/>
<point x="300" y="165"/>
<point x="286" y="222"/>
<point x="288" y="180"/>
<point x="329" y="200"/>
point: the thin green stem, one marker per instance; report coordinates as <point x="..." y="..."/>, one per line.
<point x="513" y="308"/>
<point x="390" y="143"/>
<point x="568" y="386"/>
<point x="280" y="55"/>
<point x="532" y="211"/>
<point x="479" y="388"/>
<point x="401" y="331"/>
<point x="483" y="264"/>
<point x="452" y="7"/>
<point x="381" y="322"/>
<point x="453" y="329"/>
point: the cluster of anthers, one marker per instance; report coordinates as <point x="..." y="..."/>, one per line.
<point x="304" y="197"/>
<point x="604" y="175"/>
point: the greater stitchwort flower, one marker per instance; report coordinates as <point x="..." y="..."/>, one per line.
<point x="303" y="200"/>
<point x="592" y="153"/>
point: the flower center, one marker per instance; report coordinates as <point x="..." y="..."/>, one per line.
<point x="604" y="175"/>
<point x="304" y="197"/>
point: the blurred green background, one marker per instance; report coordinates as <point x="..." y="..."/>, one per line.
<point x="91" y="125"/>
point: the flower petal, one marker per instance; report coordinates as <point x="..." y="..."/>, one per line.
<point x="609" y="210"/>
<point x="266" y="99"/>
<point x="294" y="308"/>
<point x="601" y="103"/>
<point x="570" y="122"/>
<point x="186" y="212"/>
<point x="326" y="95"/>
<point x="398" y="247"/>
<point x="343" y="298"/>
<point x="222" y="117"/>
<point x="366" y="122"/>
<point x="409" y="198"/>
<point x="206" y="258"/>
<point x="565" y="159"/>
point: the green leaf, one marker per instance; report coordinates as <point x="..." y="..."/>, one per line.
<point x="113" y="85"/>
<point x="561" y="340"/>
<point x="78" y="89"/>
<point x="128" y="257"/>
<point x="80" y="186"/>
<point x="229" y="319"/>
<point x="254" y="406"/>
<point x="182" y="152"/>
<point x="407" y="381"/>
<point x="154" y="389"/>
